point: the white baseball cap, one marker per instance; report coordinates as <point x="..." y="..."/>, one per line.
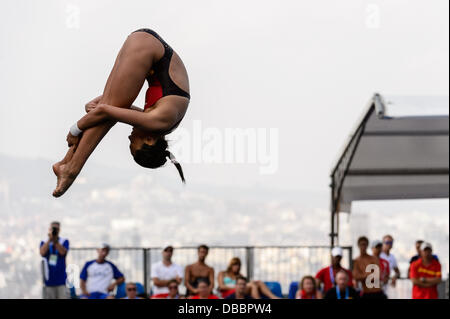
<point x="337" y="251"/>
<point x="376" y="243"/>
<point x="426" y="245"/>
<point x="105" y="246"/>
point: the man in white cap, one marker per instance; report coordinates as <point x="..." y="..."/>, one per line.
<point x="425" y="274"/>
<point x="377" y="246"/>
<point x="163" y="272"/>
<point x="418" y="243"/>
<point x="327" y="275"/>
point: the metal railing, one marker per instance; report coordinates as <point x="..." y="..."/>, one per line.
<point x="284" y="264"/>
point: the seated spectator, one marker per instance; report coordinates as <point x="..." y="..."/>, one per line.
<point x="417" y="256"/>
<point x="385" y="271"/>
<point x="227" y="278"/>
<point x="131" y="290"/>
<point x="360" y="273"/>
<point x="425" y="274"/>
<point x="96" y="276"/>
<point x="172" y="286"/>
<point x="227" y="282"/>
<point x="240" y="290"/>
<point x="163" y="272"/>
<point x="342" y="290"/>
<point x="173" y="290"/>
<point x="204" y="290"/>
<point x="325" y="276"/>
<point x="199" y="271"/>
<point x="308" y="289"/>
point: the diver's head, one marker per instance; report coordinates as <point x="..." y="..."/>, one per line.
<point x="150" y="150"/>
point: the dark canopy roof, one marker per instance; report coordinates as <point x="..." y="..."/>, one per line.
<point x="399" y="150"/>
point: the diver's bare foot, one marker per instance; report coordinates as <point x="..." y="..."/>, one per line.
<point x="64" y="178"/>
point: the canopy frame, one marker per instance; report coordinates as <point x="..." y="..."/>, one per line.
<point x="342" y="168"/>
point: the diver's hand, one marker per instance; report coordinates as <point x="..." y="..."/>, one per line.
<point x="72" y="140"/>
<point x="92" y="104"/>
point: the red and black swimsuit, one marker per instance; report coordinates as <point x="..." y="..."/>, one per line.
<point x="159" y="82"/>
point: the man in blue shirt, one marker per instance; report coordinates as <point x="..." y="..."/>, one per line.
<point x="97" y="276"/>
<point x="54" y="252"/>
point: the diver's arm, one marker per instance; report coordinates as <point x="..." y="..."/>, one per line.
<point x="157" y="120"/>
<point x="94" y="103"/>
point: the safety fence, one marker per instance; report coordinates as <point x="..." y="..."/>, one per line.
<point x="283" y="264"/>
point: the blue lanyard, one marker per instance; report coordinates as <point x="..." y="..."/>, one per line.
<point x="331" y="275"/>
<point x="338" y="293"/>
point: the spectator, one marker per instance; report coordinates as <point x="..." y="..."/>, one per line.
<point x="308" y="289"/>
<point x="199" y="271"/>
<point x="131" y="290"/>
<point x="96" y="276"/>
<point x="388" y="243"/>
<point x="54" y="251"/>
<point x="377" y="245"/>
<point x="417" y="256"/>
<point x="241" y="289"/>
<point x="165" y="271"/>
<point x="360" y="273"/>
<point x="425" y="274"/>
<point x="326" y="275"/>
<point x="204" y="290"/>
<point x="342" y="290"/>
<point x="227" y="282"/>
<point x="173" y="290"/>
<point x="227" y="278"/>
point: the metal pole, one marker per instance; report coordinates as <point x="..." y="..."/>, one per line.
<point x="333" y="211"/>
<point x="249" y="260"/>
<point x="144" y="250"/>
<point x="350" y="262"/>
<point x="332" y="229"/>
<point x="337" y="228"/>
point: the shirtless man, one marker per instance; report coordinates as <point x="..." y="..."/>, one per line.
<point x="361" y="271"/>
<point x="199" y="270"/>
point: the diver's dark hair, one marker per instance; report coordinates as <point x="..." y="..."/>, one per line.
<point x="154" y="156"/>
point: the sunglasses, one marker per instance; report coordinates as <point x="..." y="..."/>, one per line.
<point x="388" y="242"/>
<point x="131" y="289"/>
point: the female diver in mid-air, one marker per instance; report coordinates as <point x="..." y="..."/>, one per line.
<point x="143" y="56"/>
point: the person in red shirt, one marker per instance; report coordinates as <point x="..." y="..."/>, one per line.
<point x="204" y="291"/>
<point x="385" y="270"/>
<point x="425" y="274"/>
<point x="308" y="289"/>
<point x="327" y="275"/>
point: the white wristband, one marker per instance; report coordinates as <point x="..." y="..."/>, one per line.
<point x="74" y="130"/>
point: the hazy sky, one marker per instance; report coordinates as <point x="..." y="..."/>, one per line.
<point x="305" y="67"/>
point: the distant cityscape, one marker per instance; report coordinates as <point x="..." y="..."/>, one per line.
<point x="138" y="210"/>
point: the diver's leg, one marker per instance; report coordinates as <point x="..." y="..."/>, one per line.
<point x="124" y="83"/>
